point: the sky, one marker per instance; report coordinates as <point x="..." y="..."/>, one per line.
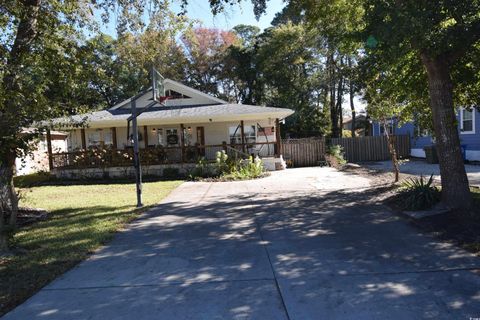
<point x="234" y="15"/>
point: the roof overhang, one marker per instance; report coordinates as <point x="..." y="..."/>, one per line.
<point x="189" y="120"/>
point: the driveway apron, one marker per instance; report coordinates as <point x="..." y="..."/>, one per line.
<point x="300" y="244"/>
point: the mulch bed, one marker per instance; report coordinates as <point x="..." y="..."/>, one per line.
<point x="459" y="227"/>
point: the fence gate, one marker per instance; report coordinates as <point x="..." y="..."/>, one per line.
<point x="306" y="152"/>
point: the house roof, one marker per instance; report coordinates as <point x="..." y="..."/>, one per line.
<point x="193" y="107"/>
<point x="180" y="114"/>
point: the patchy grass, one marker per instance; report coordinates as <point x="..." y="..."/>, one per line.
<point x="82" y="218"/>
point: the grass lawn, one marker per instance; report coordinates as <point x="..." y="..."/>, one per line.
<point x="82" y="218"/>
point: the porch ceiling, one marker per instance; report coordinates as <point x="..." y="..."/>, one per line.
<point x="179" y="114"/>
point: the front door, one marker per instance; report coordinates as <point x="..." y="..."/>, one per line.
<point x="201" y="140"/>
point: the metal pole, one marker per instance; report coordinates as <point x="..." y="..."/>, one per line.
<point x="136" y="156"/>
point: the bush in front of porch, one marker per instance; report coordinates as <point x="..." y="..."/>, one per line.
<point x="225" y="168"/>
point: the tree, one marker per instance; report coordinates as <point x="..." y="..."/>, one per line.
<point x="289" y="61"/>
<point x="442" y="35"/>
<point x="206" y="49"/>
<point x="39" y="74"/>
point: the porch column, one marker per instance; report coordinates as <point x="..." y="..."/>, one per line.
<point x="242" y="132"/>
<point x="84" y="140"/>
<point x="145" y="136"/>
<point x="278" y="138"/>
<point x="114" y="137"/>
<point x="49" y="150"/>
<point x="182" y="141"/>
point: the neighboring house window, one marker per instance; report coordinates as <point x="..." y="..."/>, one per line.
<point x="421" y="132"/>
<point x="467" y="121"/>
<point x="389" y="127"/>
<point x="235" y="134"/>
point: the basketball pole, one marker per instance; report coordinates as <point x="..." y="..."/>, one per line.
<point x="136" y="156"/>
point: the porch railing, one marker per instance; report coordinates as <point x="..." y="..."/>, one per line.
<point x="110" y="157"/>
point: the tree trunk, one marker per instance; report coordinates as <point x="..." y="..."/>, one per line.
<point x="352" y="108"/>
<point x="339" y="106"/>
<point x="393" y="150"/>
<point x="10" y="123"/>
<point x="455" y="188"/>
<point x="8" y="201"/>
<point x="351" y="92"/>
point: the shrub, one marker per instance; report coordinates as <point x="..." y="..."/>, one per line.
<point x="226" y="168"/>
<point x="419" y="194"/>
<point x="334" y="156"/>
<point x="247" y="169"/>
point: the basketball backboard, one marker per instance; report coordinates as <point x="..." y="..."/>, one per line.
<point x="158" y="86"/>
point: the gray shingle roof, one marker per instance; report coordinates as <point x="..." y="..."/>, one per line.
<point x="192" y="112"/>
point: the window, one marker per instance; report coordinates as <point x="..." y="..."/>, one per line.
<point x="107" y="138"/>
<point x="175" y="95"/>
<point x="160" y="139"/>
<point x="467" y="121"/>
<point x="172" y="136"/>
<point x="421" y="132"/>
<point x="390" y="129"/>
<point x="235" y="134"/>
<point x="94" y="138"/>
<point x="100" y="137"/>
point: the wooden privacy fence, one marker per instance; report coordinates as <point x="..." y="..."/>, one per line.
<point x="306" y="152"/>
<point x="372" y="148"/>
<point x="309" y="152"/>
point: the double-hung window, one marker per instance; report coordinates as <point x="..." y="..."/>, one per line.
<point x="236" y="134"/>
<point x="467" y="121"/>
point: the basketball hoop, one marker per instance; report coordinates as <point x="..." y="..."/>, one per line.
<point x="158" y="86"/>
<point x="162" y="99"/>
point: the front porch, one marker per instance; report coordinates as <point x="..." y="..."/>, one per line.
<point x="105" y="151"/>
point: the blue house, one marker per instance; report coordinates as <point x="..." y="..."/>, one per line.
<point x="468" y="128"/>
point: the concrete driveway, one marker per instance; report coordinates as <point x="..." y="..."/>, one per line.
<point x="300" y="244"/>
<point x="420" y="167"/>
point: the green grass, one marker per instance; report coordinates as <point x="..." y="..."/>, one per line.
<point x="82" y="218"/>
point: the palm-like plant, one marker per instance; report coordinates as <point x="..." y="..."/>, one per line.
<point x="419" y="193"/>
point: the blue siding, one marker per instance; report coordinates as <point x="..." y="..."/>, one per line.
<point x="471" y="141"/>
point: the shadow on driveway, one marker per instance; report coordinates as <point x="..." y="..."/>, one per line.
<point x="284" y="247"/>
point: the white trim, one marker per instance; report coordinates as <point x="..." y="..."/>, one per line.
<point x="417" y="153"/>
<point x="187" y="88"/>
<point x="461" y="121"/>
<point x="177" y="86"/>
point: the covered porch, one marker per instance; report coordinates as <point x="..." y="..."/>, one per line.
<point x="167" y="144"/>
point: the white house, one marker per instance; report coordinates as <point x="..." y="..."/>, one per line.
<point x="190" y="126"/>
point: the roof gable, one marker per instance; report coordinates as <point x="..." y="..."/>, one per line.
<point x="189" y="96"/>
